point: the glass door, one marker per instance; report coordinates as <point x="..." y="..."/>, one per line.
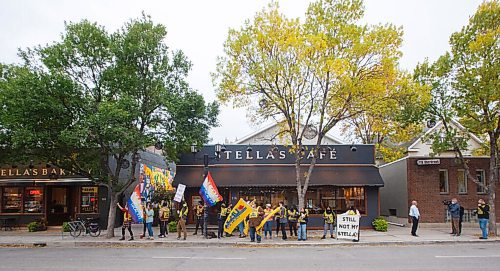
<point x="58" y="210"/>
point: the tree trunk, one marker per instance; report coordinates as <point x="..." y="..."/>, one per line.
<point x="492" y="187"/>
<point x="110" y="232"/>
<point x="300" y="193"/>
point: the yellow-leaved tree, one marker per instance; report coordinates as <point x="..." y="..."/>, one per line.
<point x="311" y="74"/>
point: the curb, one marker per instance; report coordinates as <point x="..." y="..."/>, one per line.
<point x="187" y="244"/>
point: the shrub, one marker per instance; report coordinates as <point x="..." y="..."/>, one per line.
<point x="38" y="225"/>
<point x="65" y="227"/>
<point x="380" y="224"/>
<point x="172" y="226"/>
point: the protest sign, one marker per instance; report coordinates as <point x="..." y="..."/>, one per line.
<point x="348" y="227"/>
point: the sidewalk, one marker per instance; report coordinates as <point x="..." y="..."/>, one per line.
<point x="394" y="236"/>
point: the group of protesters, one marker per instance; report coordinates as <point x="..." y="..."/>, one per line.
<point x="148" y="218"/>
<point x="295" y="219"/>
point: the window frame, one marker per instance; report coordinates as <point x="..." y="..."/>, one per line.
<point x="25" y="189"/>
<point x="21" y="207"/>
<point x="462" y="172"/>
<point x="82" y="193"/>
<point x="483" y="175"/>
<point x="447" y="182"/>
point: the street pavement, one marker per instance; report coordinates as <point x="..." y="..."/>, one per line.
<point x="462" y="256"/>
<point x="394" y="236"/>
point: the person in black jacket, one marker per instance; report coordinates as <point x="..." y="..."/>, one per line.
<point x="483" y="214"/>
<point x="461" y="219"/>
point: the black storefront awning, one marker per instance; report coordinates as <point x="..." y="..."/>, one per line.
<point x="279" y="175"/>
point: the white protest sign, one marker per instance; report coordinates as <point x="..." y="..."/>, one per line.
<point x="348" y="227"/>
<point x="180" y="193"/>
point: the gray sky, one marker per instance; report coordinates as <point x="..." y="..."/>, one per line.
<point x="199" y="28"/>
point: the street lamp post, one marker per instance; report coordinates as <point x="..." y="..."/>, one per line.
<point x="206" y="160"/>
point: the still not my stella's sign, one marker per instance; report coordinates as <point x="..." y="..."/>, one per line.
<point x="31" y="172"/>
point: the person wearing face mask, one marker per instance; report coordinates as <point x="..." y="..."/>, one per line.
<point x="329" y="217"/>
<point x="483" y="214"/>
<point x="454" y="209"/>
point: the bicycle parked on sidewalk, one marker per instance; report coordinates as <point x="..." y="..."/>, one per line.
<point x="88" y="226"/>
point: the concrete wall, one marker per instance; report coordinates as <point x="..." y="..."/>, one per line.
<point x="394" y="194"/>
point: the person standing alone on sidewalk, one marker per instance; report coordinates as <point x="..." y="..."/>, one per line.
<point x="483" y="214"/>
<point x="415" y="216"/>
<point x="198" y="211"/>
<point x="181" y="224"/>
<point x="454" y="209"/>
<point x="127" y="220"/>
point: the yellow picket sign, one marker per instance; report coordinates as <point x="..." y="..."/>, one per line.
<point x="239" y="212"/>
<point x="267" y="217"/>
<point x="247" y="228"/>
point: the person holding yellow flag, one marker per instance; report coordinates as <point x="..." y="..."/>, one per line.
<point x="255" y="218"/>
<point x="269" y="223"/>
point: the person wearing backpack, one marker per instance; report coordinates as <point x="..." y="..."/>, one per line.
<point x="164" y="217"/>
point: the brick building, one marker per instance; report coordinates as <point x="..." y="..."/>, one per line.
<point x="430" y="178"/>
<point x="430" y="181"/>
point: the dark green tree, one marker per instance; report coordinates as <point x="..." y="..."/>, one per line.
<point x="93" y="97"/>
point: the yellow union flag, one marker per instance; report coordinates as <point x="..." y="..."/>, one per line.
<point x="240" y="211"/>
<point x="267" y="217"/>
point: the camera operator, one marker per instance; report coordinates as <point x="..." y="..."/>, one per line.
<point x="454" y="209"/>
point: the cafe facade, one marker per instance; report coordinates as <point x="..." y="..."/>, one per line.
<point x="44" y="191"/>
<point x="344" y="175"/>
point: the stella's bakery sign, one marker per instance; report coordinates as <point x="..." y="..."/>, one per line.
<point x="35" y="172"/>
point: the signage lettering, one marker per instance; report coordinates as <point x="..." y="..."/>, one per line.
<point x="428" y="162"/>
<point x="31" y="172"/>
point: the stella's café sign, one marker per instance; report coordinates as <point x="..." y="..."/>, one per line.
<point x="35" y="172"/>
<point x="265" y="154"/>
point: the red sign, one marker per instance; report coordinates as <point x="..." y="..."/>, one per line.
<point x="35" y="192"/>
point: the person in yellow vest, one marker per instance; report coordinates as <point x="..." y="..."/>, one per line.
<point x="302" y="221"/>
<point x="181" y="224"/>
<point x="329" y="217"/>
<point x="127" y="220"/>
<point x="354" y="211"/>
<point x="269" y="223"/>
<point x="164" y="216"/>
<point x="198" y="212"/>
<point x="282" y="220"/>
<point x="255" y="218"/>
<point x="293" y="214"/>
<point x="221" y="219"/>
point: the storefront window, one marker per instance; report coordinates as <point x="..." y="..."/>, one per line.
<point x="462" y="181"/>
<point x="89" y="201"/>
<point x="345" y="197"/>
<point x="12" y="199"/>
<point x="443" y="181"/>
<point x="33" y="200"/>
<point x="481" y="189"/>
